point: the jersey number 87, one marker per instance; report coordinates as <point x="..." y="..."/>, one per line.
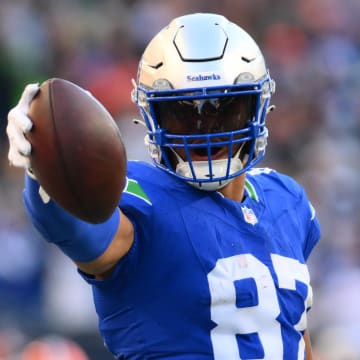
<point x="259" y="320"/>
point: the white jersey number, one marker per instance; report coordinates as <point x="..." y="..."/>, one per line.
<point x="259" y="318"/>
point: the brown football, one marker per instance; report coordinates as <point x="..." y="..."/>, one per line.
<point x="78" y="155"/>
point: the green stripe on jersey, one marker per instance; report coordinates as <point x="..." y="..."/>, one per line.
<point x="133" y="188"/>
<point x="249" y="187"/>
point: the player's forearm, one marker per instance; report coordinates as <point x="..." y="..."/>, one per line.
<point x="81" y="241"/>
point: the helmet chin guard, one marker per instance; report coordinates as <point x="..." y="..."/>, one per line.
<point x="201" y="171"/>
<point x="205" y="169"/>
<point x="203" y="89"/>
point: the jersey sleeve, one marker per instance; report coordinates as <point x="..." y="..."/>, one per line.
<point x="309" y="226"/>
<point x="284" y="195"/>
<point x="309" y="222"/>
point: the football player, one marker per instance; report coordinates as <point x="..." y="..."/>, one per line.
<point x="205" y="257"/>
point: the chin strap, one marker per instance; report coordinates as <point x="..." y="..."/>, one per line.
<point x="202" y="171"/>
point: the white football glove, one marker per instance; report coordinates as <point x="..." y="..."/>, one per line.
<point x="18" y="125"/>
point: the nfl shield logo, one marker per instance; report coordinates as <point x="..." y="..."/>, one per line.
<point x="249" y="215"/>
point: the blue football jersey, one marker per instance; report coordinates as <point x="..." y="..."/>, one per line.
<point x="208" y="278"/>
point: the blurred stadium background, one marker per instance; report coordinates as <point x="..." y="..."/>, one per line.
<point x="313" y="51"/>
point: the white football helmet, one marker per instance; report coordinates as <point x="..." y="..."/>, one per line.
<point x="203" y="90"/>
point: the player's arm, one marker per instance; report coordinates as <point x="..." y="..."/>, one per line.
<point x="96" y="248"/>
<point x="308" y="349"/>
<point x="119" y="246"/>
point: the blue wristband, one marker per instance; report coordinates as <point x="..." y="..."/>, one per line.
<point x="80" y="240"/>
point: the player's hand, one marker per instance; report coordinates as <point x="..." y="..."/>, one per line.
<point x="18" y="125"/>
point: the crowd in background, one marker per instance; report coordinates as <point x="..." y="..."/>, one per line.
<point x="312" y="49"/>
